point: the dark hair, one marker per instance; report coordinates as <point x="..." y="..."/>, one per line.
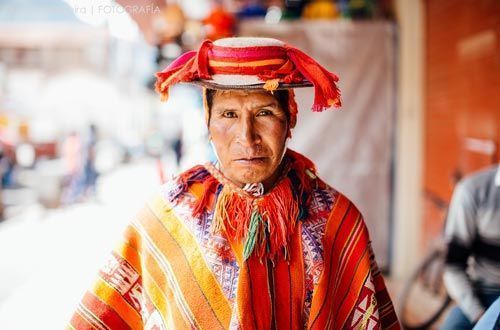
<point x="281" y="95"/>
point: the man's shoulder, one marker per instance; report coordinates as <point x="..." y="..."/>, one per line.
<point x="173" y="189"/>
<point x="332" y="199"/>
<point x="338" y="214"/>
<point x="323" y="195"/>
<point x="174" y="196"/>
<point x="479" y="179"/>
<point x="476" y="188"/>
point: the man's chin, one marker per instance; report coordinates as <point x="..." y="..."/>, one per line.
<point x="250" y="172"/>
<point x="250" y="176"/>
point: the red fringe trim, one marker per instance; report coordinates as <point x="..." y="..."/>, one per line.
<point x="279" y="211"/>
<point x="279" y="208"/>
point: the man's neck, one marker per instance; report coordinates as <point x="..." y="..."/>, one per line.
<point x="268" y="183"/>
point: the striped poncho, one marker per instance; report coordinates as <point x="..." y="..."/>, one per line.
<point x="302" y="260"/>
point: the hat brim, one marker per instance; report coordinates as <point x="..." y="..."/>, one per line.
<point x="212" y="85"/>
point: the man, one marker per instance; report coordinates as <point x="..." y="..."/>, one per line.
<point x="472" y="273"/>
<point x="257" y="240"/>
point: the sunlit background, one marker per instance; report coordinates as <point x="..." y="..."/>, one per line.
<point x="85" y="141"/>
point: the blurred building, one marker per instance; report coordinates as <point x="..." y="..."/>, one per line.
<point x="448" y="112"/>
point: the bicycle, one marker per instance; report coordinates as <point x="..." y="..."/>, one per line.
<point x="427" y="281"/>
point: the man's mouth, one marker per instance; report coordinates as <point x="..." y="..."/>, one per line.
<point x="251" y="160"/>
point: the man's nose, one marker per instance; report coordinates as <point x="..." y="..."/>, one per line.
<point x="248" y="135"/>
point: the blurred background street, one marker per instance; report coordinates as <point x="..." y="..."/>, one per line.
<point x="49" y="257"/>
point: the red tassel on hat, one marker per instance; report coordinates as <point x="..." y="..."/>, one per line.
<point x="326" y="92"/>
<point x="178" y="70"/>
<point x="202" y="60"/>
<point x="188" y="67"/>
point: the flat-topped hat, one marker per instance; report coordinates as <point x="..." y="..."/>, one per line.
<point x="251" y="63"/>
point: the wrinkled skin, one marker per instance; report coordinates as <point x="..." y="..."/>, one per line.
<point x="249" y="131"/>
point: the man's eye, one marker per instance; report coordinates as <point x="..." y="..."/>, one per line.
<point x="229" y="114"/>
<point x="265" y="113"/>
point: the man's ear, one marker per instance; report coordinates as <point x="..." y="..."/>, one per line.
<point x="208" y="132"/>
<point x="288" y="131"/>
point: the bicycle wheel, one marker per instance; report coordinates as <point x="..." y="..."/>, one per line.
<point x="424" y="297"/>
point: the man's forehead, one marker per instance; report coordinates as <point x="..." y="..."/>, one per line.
<point x="238" y="97"/>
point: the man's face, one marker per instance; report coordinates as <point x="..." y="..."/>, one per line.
<point x="248" y="130"/>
